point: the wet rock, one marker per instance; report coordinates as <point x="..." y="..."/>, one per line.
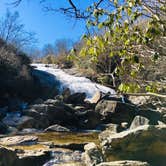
<point x="19" y="140"/>
<point x="32" y="158"/>
<point x="57" y="128"/>
<point x="92" y="155"/>
<point x="20" y="122"/>
<point x="145" y="143"/>
<point x="115" y="111"/>
<point x="124" y="163"/>
<point x="3" y="128"/>
<point x="7" y="157"/>
<point x="139" y="121"/>
<point x="65" y="158"/>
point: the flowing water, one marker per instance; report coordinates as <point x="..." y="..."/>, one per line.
<point x="74" y="83"/>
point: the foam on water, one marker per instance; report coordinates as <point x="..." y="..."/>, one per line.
<point x="75" y="84"/>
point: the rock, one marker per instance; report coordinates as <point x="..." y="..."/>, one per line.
<point x="41" y="118"/>
<point x="12" y="130"/>
<point x="19" y="140"/>
<point x="115" y="111"/>
<point x="39" y="107"/>
<point x="3" y="112"/>
<point x="61" y="114"/>
<point x="31" y="112"/>
<point x="76" y="98"/>
<point x="139" y="100"/>
<point x="110" y="130"/>
<point x="145" y="143"/>
<point x="92" y="155"/>
<point x="51" y="101"/>
<point x="88" y="119"/>
<point x="7" y="157"/>
<point x="3" y="128"/>
<point x="57" y="128"/>
<point x="124" y="163"/>
<point x="38" y="101"/>
<point x="97" y="96"/>
<point x="80" y="108"/>
<point x="152" y="116"/>
<point x="139" y="121"/>
<point x="29" y="131"/>
<point x="66" y="93"/>
<point x="20" y="122"/>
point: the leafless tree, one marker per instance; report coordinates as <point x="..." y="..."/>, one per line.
<point x="12" y="31"/>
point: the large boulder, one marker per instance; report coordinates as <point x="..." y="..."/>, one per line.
<point x="116" y="111"/>
<point x="61" y="114"/>
<point x="124" y="163"/>
<point x="92" y="155"/>
<point x="41" y="118"/>
<point x="145" y="143"/>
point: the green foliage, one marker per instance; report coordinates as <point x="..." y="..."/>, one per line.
<point x="120" y="38"/>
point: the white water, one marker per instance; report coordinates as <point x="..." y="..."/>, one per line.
<point x="75" y="84"/>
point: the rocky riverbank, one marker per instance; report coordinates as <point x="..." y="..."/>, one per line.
<point x="56" y="132"/>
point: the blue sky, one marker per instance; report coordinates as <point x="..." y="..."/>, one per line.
<point x="48" y="26"/>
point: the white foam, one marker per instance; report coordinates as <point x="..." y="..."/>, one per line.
<point x="75" y="84"/>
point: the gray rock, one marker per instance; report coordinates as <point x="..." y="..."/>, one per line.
<point x="92" y="155"/>
<point x="115" y="111"/>
<point x="139" y="121"/>
<point x="110" y="130"/>
<point x="20" y="122"/>
<point x="145" y="143"/>
<point x="40" y="107"/>
<point x="19" y="140"/>
<point x="57" y="128"/>
<point x="124" y="163"/>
